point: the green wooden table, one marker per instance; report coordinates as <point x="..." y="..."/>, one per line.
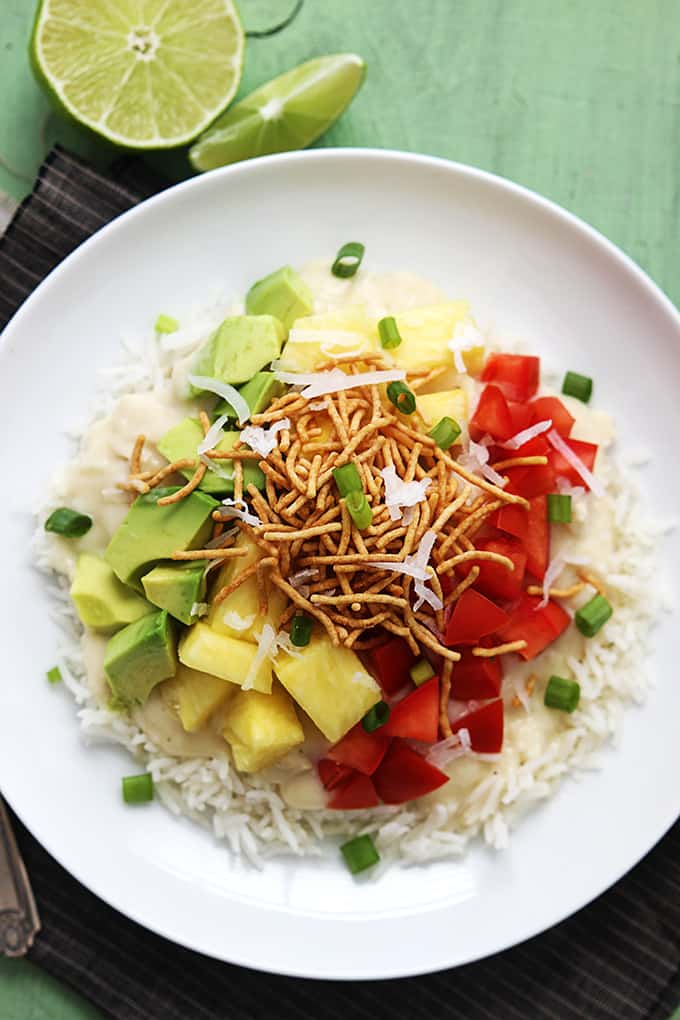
<point x="575" y="99"/>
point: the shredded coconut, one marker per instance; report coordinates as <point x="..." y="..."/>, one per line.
<point x="239" y="508"/>
<point x="264" y="441"/>
<point x="224" y="390"/>
<point x="555" y="439"/>
<point x="520" y="438"/>
<point x="317" y="384"/>
<point x="402" y="494"/>
<point x="213" y="435"/>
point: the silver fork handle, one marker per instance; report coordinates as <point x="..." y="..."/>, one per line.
<point x="19" y="920"/>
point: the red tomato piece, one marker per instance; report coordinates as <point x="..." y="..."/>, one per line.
<point x="538" y="627"/>
<point x="404" y="775"/>
<point x="492" y="415"/>
<point x="534" y="480"/>
<point x="331" y="774"/>
<point x="391" y="663"/>
<point x="552" y="408"/>
<point x="521" y="416"/>
<point x="356" y="792"/>
<point x="494" y="579"/>
<point x="587" y="452"/>
<point x="516" y="374"/>
<point x="473" y="617"/>
<point x="512" y="519"/>
<point x="485" y="726"/>
<point x="537" y="541"/>
<point x="476" y="679"/>
<point x="417" y="715"/>
<point x="360" y="750"/>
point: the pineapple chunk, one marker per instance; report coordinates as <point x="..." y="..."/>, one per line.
<point x="261" y="728"/>
<point x="222" y="656"/>
<point x="329" y="683"/>
<point x="339" y="332"/>
<point x="196" y="696"/>
<point x="425" y="334"/>
<point x="239" y="615"/>
<point x="432" y="407"/>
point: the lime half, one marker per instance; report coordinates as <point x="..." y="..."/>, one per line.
<point x="145" y="74"/>
<point x="287" y="113"/>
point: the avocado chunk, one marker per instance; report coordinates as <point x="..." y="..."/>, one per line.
<point x="239" y="347"/>
<point x="283" y="294"/>
<point x="101" y="600"/>
<point x="150" y="533"/>
<point x="182" y="440"/>
<point x="140" y="656"/>
<point x="258" y="394"/>
<point x="177" y="587"/>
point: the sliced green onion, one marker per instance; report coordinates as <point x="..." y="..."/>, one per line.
<point x="402" y="397"/>
<point x="559" y="508"/>
<point x="421" y="671"/>
<point x="389" y="332"/>
<point x="54" y="675"/>
<point x="593" y="616"/>
<point x="347" y="479"/>
<point x="166" y="324"/>
<point x="68" y="523"/>
<point x="348" y="259"/>
<point x="376" y="717"/>
<point x="300" y="630"/>
<point x="359" y="853"/>
<point x="579" y="386"/>
<point x="445" y="432"/>
<point x="138" y="789"/>
<point x="562" y="694"/>
<point x="360" y="511"/>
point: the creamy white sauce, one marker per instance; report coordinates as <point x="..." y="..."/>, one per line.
<point x="88" y="485"/>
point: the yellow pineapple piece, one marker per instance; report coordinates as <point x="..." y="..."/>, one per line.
<point x="330" y="684"/>
<point x="260" y="728"/>
<point x="196" y="696"/>
<point x="425" y="334"/>
<point x="338" y="333"/>
<point x="203" y="649"/>
<point x="239" y="615"/>
<point x="432" y="407"/>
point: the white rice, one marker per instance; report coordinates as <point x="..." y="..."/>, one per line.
<point x="248" y="813"/>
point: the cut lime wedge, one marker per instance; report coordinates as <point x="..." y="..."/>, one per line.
<point x="145" y="74"/>
<point x="287" y="113"/>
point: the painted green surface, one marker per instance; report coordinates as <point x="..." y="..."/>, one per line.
<point x="577" y="100"/>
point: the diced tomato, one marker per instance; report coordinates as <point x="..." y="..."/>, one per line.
<point x="538" y="627"/>
<point x="516" y="374"/>
<point x="447" y="584"/>
<point x="417" y="715"/>
<point x="552" y="408"/>
<point x="537" y="541"/>
<point x="404" y="775"/>
<point x="356" y="792"/>
<point x="536" y="447"/>
<point x="331" y="774"/>
<point x="494" y="579"/>
<point x="521" y="416"/>
<point x="360" y="750"/>
<point x="391" y="663"/>
<point x="476" y="679"/>
<point x="472" y="618"/>
<point x="485" y="726"/>
<point x="512" y="519"/>
<point x="587" y="452"/>
<point x="534" y="480"/>
<point x="492" y="415"/>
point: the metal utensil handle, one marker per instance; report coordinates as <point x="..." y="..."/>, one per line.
<point x="19" y="920"/>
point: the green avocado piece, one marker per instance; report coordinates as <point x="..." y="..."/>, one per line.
<point x="176" y="587"/>
<point x="140" y="656"/>
<point x="284" y="294"/>
<point x="239" y="347"/>
<point x="182" y="440"/>
<point x="150" y="533"/>
<point x="101" y="600"/>
<point x="258" y="394"/>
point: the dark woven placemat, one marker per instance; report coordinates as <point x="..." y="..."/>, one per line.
<point x="619" y="958"/>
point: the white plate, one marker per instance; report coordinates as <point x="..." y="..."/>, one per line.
<point x="537" y="272"/>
